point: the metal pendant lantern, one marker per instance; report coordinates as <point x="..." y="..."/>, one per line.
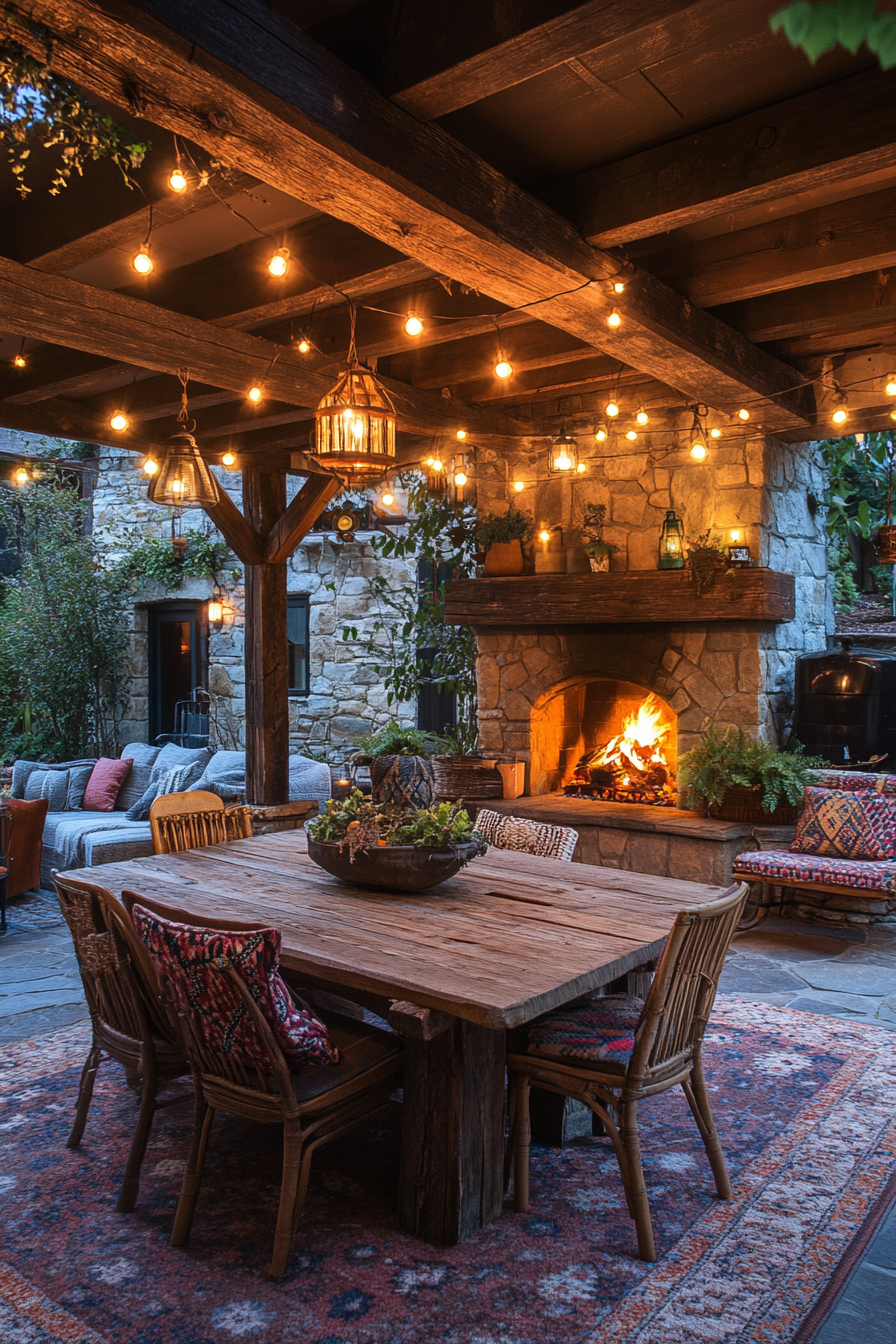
<point x="356" y="421"/>
<point x="183" y="478"/>
<point x="563" y="455"/>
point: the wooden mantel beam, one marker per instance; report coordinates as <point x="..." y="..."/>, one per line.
<point x="249" y="86"/>
<point x="102" y="322"/>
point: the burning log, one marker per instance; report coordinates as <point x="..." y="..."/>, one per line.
<point x="632" y="767"/>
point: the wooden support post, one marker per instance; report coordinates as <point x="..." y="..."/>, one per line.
<point x="452" y="1133"/>
<point x="267" y="703"/>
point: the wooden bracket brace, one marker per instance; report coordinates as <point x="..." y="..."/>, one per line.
<point x="418" y="1023"/>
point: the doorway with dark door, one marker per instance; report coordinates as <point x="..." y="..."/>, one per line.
<point x="177" y="661"/>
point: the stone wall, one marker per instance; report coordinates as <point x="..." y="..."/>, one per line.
<point x="345" y="695"/>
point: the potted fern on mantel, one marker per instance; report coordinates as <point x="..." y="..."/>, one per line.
<point x="501" y="536"/>
<point x="736" y="777"/>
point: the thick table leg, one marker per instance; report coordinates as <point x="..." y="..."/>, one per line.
<point x="452" y="1143"/>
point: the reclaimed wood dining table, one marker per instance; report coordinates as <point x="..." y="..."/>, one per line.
<point x="507" y="939"/>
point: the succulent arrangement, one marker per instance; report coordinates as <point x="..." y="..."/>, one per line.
<point x="356" y="823"/>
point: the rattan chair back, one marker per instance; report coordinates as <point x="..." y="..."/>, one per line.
<point x="110" y="986"/>
<point x="193" y="820"/>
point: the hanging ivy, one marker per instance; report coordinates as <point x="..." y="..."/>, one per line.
<point x="817" y="29"/>
<point x="37" y="106"/>
<point x="154" y="560"/>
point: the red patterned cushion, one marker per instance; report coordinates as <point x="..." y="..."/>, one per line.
<point x="780" y="866"/>
<point x="194" y="961"/>
<point x="853" y="781"/>
<point x="847" y="825"/>
<point x="602" y="1029"/>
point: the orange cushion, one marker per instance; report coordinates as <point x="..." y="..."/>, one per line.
<point x="105" y="780"/>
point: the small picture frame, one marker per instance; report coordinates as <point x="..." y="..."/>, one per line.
<point x="739" y="555"/>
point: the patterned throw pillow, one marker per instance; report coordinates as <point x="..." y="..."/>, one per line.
<point x="845" y="825"/>
<point x="193" y="959"/>
<point x="603" y="1029"/>
<point x="528" y="837"/>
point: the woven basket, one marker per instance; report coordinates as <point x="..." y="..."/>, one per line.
<point x="743" y="804"/>
<point x="460" y="777"/>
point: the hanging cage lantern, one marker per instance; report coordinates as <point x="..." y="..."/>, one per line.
<point x="183" y="477"/>
<point x="563" y="455"/>
<point x="356" y="421"/>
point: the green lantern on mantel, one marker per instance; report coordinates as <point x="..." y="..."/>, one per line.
<point x="671" y="542"/>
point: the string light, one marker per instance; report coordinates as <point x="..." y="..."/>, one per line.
<point x="413" y="326"/>
<point x="150" y="467"/>
<point x="177" y="179"/>
<point x="893" y="415"/>
<point x="461" y="434"/>
<point x="503" y="367"/>
<point x="460" y="478"/>
<point x="715" y="433"/>
<point x="19" y="361"/>
<point x="581" y="468"/>
<point x="619" y="287"/>
<point x="255" y="393"/>
<point x="279" y="262"/>
<point x="642" y="417"/>
<point x="303" y="346"/>
<point x="118" y="421"/>
<point x="544" y="536"/>
<point x="21" y="476"/>
<point x="600" y="433"/>
<point x="698" y="452"/>
<point x="228" y="459"/>
<point x="387" y="498"/>
<point x="743" y="414"/>
<point x="611" y="409"/>
<point x="437" y="464"/>
<point x="631" y="435"/>
<point x="142" y="262"/>
<point x="840" y="414"/>
<point x="890" y="388"/>
<point x="519" y="486"/>
<point x="615" y="319"/>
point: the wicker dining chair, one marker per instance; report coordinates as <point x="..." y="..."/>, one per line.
<point x="194" y="819"/>
<point x="613" y="1052"/>
<point x="528" y="837"/>
<point x="128" y="1022"/>
<point x="314" y="1106"/>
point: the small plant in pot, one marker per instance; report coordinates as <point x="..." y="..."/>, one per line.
<point x="736" y="777"/>
<point x="597" y="550"/>
<point x="502" y="536"/>
<point x="399" y="769"/>
<point x="705" y="560"/>
<point x="391" y="847"/>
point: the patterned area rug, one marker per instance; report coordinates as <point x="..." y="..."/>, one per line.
<point x="804" y="1103"/>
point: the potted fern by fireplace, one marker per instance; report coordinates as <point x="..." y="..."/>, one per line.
<point x="736" y="777"/>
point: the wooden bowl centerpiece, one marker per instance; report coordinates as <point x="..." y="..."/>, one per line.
<point x="390" y="848"/>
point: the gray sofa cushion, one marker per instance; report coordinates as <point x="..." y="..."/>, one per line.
<point x="224" y="775"/>
<point x="132" y="841"/>
<point x="23" y="770"/>
<point x="309" y="780"/>
<point x="73" y="826"/>
<point x="132" y="790"/>
<point x="173" y="771"/>
<point x="62" y="785"/>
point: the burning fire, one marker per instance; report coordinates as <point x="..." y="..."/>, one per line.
<point x="633" y="765"/>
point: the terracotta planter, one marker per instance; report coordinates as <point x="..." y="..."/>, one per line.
<point x="743" y="804"/>
<point x="885" y="544"/>
<point x="503" y="559"/>
<point x="466" y="777"/>
<point x="394" y="867"/>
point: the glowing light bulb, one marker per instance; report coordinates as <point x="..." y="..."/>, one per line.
<point x="178" y="487"/>
<point x="631" y="436"/>
<point x="840" y="416"/>
<point x="461" y="434"/>
<point x="19" y="361"/>
<point x="743" y="414"/>
<point x="303" y="346"/>
<point x="600" y="433"/>
<point x="893" y="415"/>
<point x="460" y="478"/>
<point x="118" y="421"/>
<point x="563" y="462"/>
<point x="615" y="319"/>
<point x="715" y="433"/>
<point x="544" y="536"/>
<point x="611" y="409"/>
<point x="150" y="467"/>
<point x="142" y="262"/>
<point x="581" y="468"/>
<point x="254" y="394"/>
<point x="642" y="417"/>
<point x="387" y="498"/>
<point x="521" y="485"/>
<point x="428" y="461"/>
<point x="890" y="388"/>
<point x="503" y="368"/>
<point x="228" y="458"/>
<point x="619" y="287"/>
<point x="413" y="326"/>
<point x="438" y="464"/>
<point x="177" y="180"/>
<point x="279" y="262"/>
<point x="215" y="611"/>
<point x="698" y="451"/>
<point x="734" y="535"/>
<point x="21" y="476"/>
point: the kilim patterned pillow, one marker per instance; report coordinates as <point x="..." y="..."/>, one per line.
<point x="193" y="960"/>
<point x="603" y="1029"/>
<point x="853" y="781"/>
<point x="846" y="825"/>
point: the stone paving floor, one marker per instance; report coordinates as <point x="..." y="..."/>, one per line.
<point x="836" y="972"/>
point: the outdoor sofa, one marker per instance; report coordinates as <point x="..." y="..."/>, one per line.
<point x="75" y="838"/>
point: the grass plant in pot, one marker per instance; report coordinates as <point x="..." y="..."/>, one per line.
<point x="461" y="771"/>
<point x="597" y="550"/>
<point x="400" y="772"/>
<point x="502" y="536"/>
<point x="736" y="777"/>
<point x="389" y="847"/>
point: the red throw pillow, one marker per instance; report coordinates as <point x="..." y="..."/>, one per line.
<point x="106" y="779"/>
<point x="193" y="959"/>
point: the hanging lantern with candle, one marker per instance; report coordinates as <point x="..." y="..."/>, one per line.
<point x="671" y="554"/>
<point x="563" y="455"/>
<point x="356" y="421"/>
<point x="183" y="476"/>
<point x="216" y="607"/>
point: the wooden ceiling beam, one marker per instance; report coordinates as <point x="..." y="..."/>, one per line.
<point x="436" y="66"/>
<point x="831" y="242"/>
<point x="288" y="112"/>
<point x="867" y="300"/>
<point x="102" y="322"/>
<point x="59" y="419"/>
<point x="832" y="134"/>
<point x="301" y="514"/>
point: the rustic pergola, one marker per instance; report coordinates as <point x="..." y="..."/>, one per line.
<point x="462" y="161"/>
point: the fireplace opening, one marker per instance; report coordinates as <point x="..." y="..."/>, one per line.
<point x="605" y="739"/>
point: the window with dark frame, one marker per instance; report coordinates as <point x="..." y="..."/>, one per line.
<point x="297" y="642"/>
